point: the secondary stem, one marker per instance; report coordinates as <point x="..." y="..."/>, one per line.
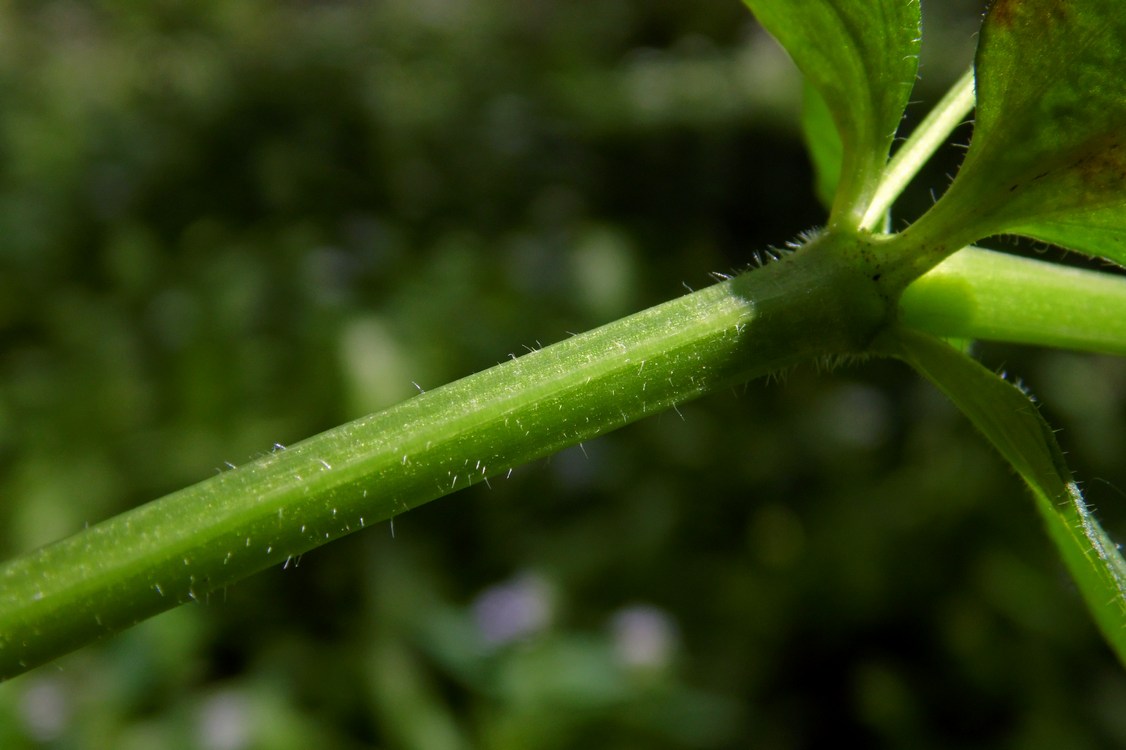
<point x="207" y="536"/>
<point x="920" y="146"/>
<point x="981" y="294"/>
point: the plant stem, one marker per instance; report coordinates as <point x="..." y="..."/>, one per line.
<point x="980" y="294"/>
<point x="197" y="540"/>
<point x="931" y="133"/>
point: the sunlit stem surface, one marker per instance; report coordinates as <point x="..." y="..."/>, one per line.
<point x="981" y="294"/>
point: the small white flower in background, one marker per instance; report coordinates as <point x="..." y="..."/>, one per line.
<point x="45" y="708"/>
<point x="224" y="721"/>
<point x="515" y="609"/>
<point x="644" y="637"/>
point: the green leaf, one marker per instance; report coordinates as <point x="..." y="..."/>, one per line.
<point x="1010" y="420"/>
<point x="861" y="56"/>
<point x="823" y="143"/>
<point x="1048" y="155"/>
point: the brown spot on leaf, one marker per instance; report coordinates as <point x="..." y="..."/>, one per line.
<point x="1102" y="166"/>
<point x="1003" y="12"/>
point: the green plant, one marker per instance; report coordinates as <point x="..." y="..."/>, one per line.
<point x="1043" y="163"/>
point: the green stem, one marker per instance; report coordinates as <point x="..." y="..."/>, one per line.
<point x="980" y="294"/>
<point x="931" y="133"/>
<point x="204" y="537"/>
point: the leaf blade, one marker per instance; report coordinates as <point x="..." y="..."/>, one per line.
<point x="823" y="143"/>
<point x="1009" y="419"/>
<point x="861" y="56"/>
<point x="1048" y="155"/>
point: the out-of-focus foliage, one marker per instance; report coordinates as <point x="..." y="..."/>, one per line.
<point x="225" y="225"/>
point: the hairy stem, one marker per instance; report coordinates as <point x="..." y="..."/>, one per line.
<point x="204" y="537"/>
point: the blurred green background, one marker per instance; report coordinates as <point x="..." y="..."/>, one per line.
<point x="225" y="225"/>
